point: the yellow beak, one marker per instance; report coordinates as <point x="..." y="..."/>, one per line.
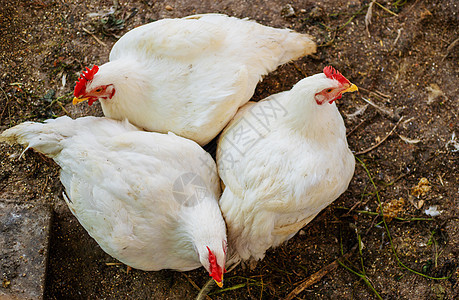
<point x="78" y="100"/>
<point x="220" y="284"/>
<point x="352" y="88"/>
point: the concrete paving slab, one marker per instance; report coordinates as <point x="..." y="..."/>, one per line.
<point x="24" y="239"/>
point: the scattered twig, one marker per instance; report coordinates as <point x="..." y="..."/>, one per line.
<point x="372" y="213"/>
<point x="410" y="8"/>
<point x="409" y="120"/>
<point x="377" y="93"/>
<point x="95" y="37"/>
<point x="387" y="112"/>
<point x="335" y="30"/>
<point x="435" y="244"/>
<point x="399" y="33"/>
<point x="233" y="267"/>
<point x="205" y="290"/>
<point x="210" y="283"/>
<point x="249" y="282"/>
<point x="318" y="275"/>
<point x="232" y="288"/>
<point x="326" y="27"/>
<point x="368" y="16"/>
<point x="399" y="3"/>
<point x="352" y="18"/>
<point x="60" y="104"/>
<point x="388" y="10"/>
<point x="262" y="286"/>
<point x="194" y="285"/>
<point x="450" y="47"/>
<point x="393" y="181"/>
<point x="128" y="268"/>
<point x="6" y="104"/>
<point x="380" y="142"/>
<point x="63" y="108"/>
<point x="360" y="124"/>
<point x="45" y="185"/>
<point x="345" y="24"/>
<point x="372" y="224"/>
<point x="328" y="43"/>
<point x="299" y="69"/>
<point x="356" y="204"/>
<point x="441" y="180"/>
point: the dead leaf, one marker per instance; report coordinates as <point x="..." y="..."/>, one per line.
<point x="426" y="13"/>
<point x="420" y="204"/>
<point x="392" y="209"/>
<point x="6" y="283"/>
<point x="422" y="188"/>
<point x="434" y="92"/>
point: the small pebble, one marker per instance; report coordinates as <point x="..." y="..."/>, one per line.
<point x="169" y="8"/>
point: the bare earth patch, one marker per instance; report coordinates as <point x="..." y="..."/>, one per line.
<point x="405" y="64"/>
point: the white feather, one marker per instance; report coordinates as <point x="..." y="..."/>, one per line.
<point x="120" y="186"/>
<point x="282" y="160"/>
<point x="190" y="75"/>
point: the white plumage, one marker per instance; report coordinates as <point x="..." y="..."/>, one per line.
<point x="282" y="160"/>
<point x="148" y="199"/>
<point x="189" y="75"/>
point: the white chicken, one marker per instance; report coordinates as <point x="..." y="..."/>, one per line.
<point x="282" y="160"/>
<point x="188" y="76"/>
<point x="148" y="199"/>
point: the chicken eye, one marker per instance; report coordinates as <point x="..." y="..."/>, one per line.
<point x="328" y="90"/>
<point x="98" y="90"/>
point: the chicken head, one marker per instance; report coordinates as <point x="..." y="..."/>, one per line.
<point x="82" y="93"/>
<point x="215" y="270"/>
<point x="330" y="94"/>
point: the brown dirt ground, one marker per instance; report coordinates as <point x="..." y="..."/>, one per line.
<point x="409" y="50"/>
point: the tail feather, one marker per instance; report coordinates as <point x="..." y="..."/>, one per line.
<point x="268" y="46"/>
<point x="34" y="135"/>
<point x="297" y="45"/>
<point x="48" y="137"/>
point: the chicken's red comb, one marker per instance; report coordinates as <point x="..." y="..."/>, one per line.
<point x="216" y="273"/>
<point x="331" y="73"/>
<point x="84" y="78"/>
